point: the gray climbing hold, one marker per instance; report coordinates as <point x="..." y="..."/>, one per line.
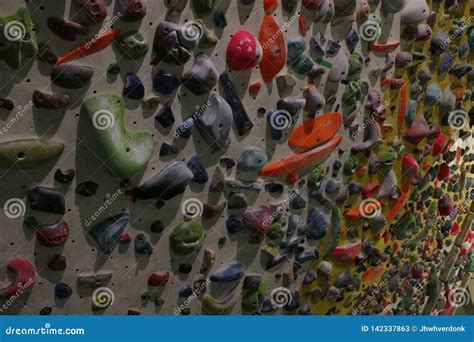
<point x="202" y="76"/>
<point x="251" y="159"/>
<point x="106" y="233"/>
<point x="285" y="85"/>
<point x="215" y="123"/>
<point x="167" y="183"/>
<point x="232" y="271"/>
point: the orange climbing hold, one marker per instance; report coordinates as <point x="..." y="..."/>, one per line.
<point x="302" y="25"/>
<point x="315" y="132"/>
<point x="402" y="109"/>
<point x="90" y="47"/>
<point x="274" y="48"/>
<point x="384" y="47"/>
<point x="372" y="273"/>
<point x="291" y="165"/>
<point x="270" y="6"/>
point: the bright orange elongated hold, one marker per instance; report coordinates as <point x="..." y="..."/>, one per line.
<point x="315" y="132"/>
<point x="353" y="213"/>
<point x="402" y="109"/>
<point x="274" y="48"/>
<point x="397" y="206"/>
<point x="372" y="273"/>
<point x="302" y="25"/>
<point x="384" y="47"/>
<point x="92" y="46"/>
<point x="293" y="164"/>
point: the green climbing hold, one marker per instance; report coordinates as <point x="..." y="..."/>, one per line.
<point x="18" y="38"/>
<point x="113" y="68"/>
<point x="203" y="7"/>
<point x="187" y="237"/>
<point x="28" y="153"/>
<point x="253" y="298"/>
<point x="289" y="5"/>
<point x="276" y="231"/>
<point x="125" y="152"/>
<point x="316" y="176"/>
<point x="133" y="45"/>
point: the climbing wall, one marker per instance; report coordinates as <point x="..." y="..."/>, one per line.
<point x="235" y="157"/>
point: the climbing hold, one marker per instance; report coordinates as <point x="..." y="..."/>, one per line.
<point x="274" y="50"/>
<point x="65" y="29"/>
<point x="106" y="233"/>
<point x="167" y="183"/>
<point x="251" y="159"/>
<point x="227" y="273"/>
<point x="202" y="77"/>
<point x="28" y="153"/>
<point x="71" y="76"/>
<point x="126" y="152"/>
<point x="54" y="234"/>
<point x="243" y="51"/>
<point x="47" y="199"/>
<point x="187" y="237"/>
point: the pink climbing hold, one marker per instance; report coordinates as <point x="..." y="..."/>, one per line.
<point x="244" y="51"/>
<point x="158" y="278"/>
<point x="348" y="252"/>
<point x="23" y="275"/>
<point x="409" y="166"/>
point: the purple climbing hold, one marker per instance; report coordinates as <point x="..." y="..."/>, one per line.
<point x="133" y="88"/>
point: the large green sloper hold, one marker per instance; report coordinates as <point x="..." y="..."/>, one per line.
<point x="17" y="32"/>
<point x="187" y="237"/>
<point x="126" y="152"/>
<point x="28" y="153"/>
